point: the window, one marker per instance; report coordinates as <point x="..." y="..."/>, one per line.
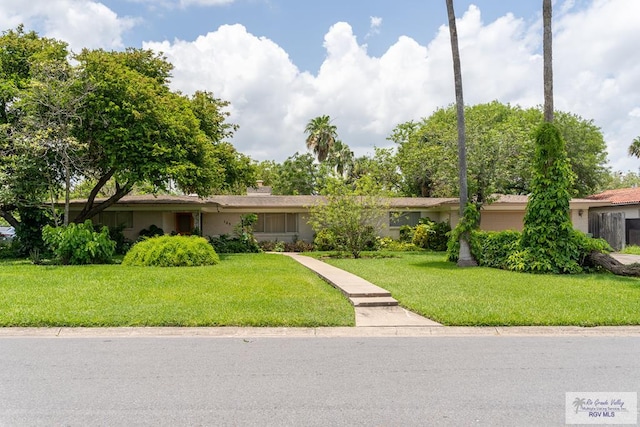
<point x="276" y="223"/>
<point x="398" y="219"/>
<point x="116" y="219"/>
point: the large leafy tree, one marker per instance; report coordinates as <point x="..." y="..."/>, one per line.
<point x="321" y="136"/>
<point x="107" y="122"/>
<point x="138" y="130"/>
<point x="25" y="175"/>
<point x="500" y="144"/>
<point x="298" y="174"/>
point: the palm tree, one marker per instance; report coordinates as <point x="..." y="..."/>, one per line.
<point x="634" y="148"/>
<point x="322" y="136"/>
<point x="547" y="61"/>
<point x="465" y="259"/>
<point x="341" y="158"/>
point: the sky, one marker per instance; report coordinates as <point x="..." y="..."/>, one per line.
<point x="369" y="64"/>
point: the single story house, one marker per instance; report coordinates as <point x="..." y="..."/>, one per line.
<point x="618" y="220"/>
<point x="285" y="218"/>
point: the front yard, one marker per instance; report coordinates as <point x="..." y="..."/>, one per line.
<point x="243" y="290"/>
<point x="425" y="283"/>
<point x="274" y="290"/>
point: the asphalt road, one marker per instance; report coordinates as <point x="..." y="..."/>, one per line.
<point x="440" y="381"/>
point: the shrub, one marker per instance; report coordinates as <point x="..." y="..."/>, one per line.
<point x="29" y="231"/>
<point x="492" y="248"/>
<point x="172" y="251"/>
<point x="79" y="243"/>
<point x="152" y="231"/>
<point x="469" y="222"/>
<point x="225" y="244"/>
<point x="298" y="246"/>
<point x="388" y="244"/>
<point x="122" y="243"/>
<point x="326" y="240"/>
<point x="406" y="234"/>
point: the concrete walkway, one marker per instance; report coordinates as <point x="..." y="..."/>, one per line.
<point x="373" y="305"/>
<point x="626" y="258"/>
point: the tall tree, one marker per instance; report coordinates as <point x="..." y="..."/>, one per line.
<point x="547" y="48"/>
<point x="500" y="145"/>
<point x="321" y="136"/>
<point x="139" y="131"/>
<point x="465" y="258"/>
<point x="24" y="178"/>
<point x="51" y="108"/>
<point x="341" y="158"/>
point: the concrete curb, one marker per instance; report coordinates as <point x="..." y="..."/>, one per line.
<point x="324" y="332"/>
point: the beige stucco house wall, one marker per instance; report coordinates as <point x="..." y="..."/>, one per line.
<point x="218" y="215"/>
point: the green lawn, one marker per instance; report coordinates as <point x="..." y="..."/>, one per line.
<point x="243" y="290"/>
<point x="427" y="284"/>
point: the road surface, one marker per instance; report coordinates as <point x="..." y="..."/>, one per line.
<point x="173" y="381"/>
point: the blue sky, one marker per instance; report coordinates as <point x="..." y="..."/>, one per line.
<point x="299" y="26"/>
<point x="369" y="64"/>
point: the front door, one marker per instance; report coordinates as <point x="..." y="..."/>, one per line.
<point x="184" y="223"/>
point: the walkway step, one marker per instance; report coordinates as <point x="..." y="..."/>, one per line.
<point x="373" y="301"/>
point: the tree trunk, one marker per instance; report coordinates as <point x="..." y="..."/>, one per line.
<point x="611" y="264"/>
<point x="465" y="259"/>
<point x="547" y="60"/>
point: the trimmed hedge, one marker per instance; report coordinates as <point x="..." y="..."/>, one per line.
<point x="172" y="251"/>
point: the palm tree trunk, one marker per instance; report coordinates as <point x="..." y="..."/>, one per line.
<point x="547" y="60"/>
<point x="465" y="258"/>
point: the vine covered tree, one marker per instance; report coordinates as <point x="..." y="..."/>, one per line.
<point x="464" y="259"/>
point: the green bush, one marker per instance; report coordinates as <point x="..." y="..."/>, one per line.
<point x="225" y="244"/>
<point x="79" y="243"/>
<point x="492" y="248"/>
<point x="122" y="243"/>
<point x="406" y="234"/>
<point x="172" y="251"/>
<point x="298" y="246"/>
<point x="388" y="244"/>
<point x="326" y="240"/>
<point x="29" y="231"/>
<point x="631" y="250"/>
<point x="469" y="222"/>
<point x="152" y="231"/>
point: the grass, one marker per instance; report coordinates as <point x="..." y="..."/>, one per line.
<point x="631" y="250"/>
<point x="243" y="290"/>
<point x="425" y="283"/>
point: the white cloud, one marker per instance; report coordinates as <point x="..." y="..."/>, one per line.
<point x="595" y="64"/>
<point x="81" y="23"/>
<point x="596" y="76"/>
<point x="375" y="22"/>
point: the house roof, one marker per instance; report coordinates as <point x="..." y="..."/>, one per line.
<point x="621" y="196"/>
<point x="258" y="201"/>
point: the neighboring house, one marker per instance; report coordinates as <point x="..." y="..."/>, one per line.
<point x="618" y="219"/>
<point x="285" y="218"/>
